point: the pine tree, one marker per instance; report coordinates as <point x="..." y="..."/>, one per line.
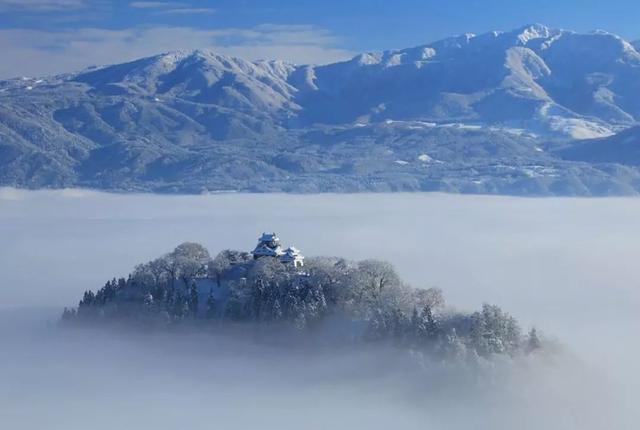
<point x="276" y="312"/>
<point x="432" y="331"/>
<point x="67" y="314"/>
<point x="533" y="342"/>
<point x="88" y="299"/>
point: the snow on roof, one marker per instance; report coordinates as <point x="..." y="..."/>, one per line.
<point x="261" y="250"/>
<point x="268" y="237"/>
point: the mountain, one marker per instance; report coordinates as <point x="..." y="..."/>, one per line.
<point x="623" y="148"/>
<point x="488" y="113"/>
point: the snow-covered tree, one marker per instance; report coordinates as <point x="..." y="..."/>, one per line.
<point x="369" y="293"/>
<point x="494" y="331"/>
<point x="533" y="341"/>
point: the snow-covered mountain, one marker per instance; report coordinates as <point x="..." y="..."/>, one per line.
<point x="622" y="148"/>
<point x="583" y="85"/>
<point x="484" y="111"/>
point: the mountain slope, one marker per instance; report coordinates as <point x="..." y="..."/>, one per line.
<point x="623" y="148"/>
<point x="482" y="109"/>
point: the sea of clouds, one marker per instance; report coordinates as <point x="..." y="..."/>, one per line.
<point x="569" y="266"/>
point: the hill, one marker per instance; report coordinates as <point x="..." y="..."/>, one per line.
<point x="327" y="298"/>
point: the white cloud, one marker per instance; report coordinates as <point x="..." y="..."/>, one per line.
<point x="155" y="4"/>
<point x="38" y="52"/>
<point x="41" y="5"/>
<point x="189" y="11"/>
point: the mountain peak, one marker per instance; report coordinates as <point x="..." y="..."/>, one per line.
<point x="534" y="31"/>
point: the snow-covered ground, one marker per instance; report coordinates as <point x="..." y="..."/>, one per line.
<point x="566" y="265"/>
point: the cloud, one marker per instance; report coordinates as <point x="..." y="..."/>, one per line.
<point x="41" y="5"/>
<point x="171" y="8"/>
<point x="567" y="265"/>
<point x="189" y="11"/>
<point x="155" y="4"/>
<point x="38" y="52"/>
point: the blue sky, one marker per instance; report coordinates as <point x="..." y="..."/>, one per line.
<point x="51" y="36"/>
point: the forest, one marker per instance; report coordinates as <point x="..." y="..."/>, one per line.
<point x="362" y="301"/>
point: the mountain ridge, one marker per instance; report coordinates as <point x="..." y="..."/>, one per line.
<point x="188" y="121"/>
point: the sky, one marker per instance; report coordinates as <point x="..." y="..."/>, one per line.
<point x="39" y="37"/>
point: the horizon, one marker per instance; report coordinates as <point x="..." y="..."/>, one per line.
<point x="221" y="51"/>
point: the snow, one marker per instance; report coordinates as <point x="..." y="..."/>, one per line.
<point x="395" y="60"/>
<point x="462" y="126"/>
<point x="536" y="31"/>
<point x="579" y="128"/>
<point x="425" y="158"/>
<point x="401" y="162"/>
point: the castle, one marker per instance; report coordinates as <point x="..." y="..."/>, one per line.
<point x="269" y="246"/>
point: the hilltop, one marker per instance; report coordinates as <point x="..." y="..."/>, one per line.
<point x="322" y="297"/>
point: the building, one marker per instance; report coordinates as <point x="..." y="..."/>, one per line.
<point x="269" y="246"/>
<point x="292" y="255"/>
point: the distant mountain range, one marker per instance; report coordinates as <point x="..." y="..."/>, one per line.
<point x="535" y="111"/>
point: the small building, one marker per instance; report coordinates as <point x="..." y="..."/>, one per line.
<point x="292" y="255"/>
<point x="268" y="246"/>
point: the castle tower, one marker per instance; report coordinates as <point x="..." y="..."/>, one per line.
<point x="293" y="256"/>
<point x="268" y="246"/>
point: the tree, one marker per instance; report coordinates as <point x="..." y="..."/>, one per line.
<point x="193" y="299"/>
<point x="68" y="314"/>
<point x="187" y="261"/>
<point x="533" y="342"/>
<point x="87" y="299"/>
<point x="374" y="277"/>
<point x="191" y="260"/>
<point x="494" y="331"/>
<point x="453" y="346"/>
<point x="431" y="297"/>
<point x="372" y="285"/>
<point x="431" y="329"/>
<point x="330" y="274"/>
<point x="424" y="327"/>
<point x="223" y="261"/>
<point x="276" y="311"/>
<point x="211" y="305"/>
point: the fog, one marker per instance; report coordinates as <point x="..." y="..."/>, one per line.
<point x="566" y="265"/>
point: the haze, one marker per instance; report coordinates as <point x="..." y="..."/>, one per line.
<point x="566" y="265"/>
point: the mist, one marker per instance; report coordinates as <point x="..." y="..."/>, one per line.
<point x="566" y="266"/>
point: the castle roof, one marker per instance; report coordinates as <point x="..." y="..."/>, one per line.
<point x="292" y="250"/>
<point x="268" y="237"/>
<point x="264" y="251"/>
